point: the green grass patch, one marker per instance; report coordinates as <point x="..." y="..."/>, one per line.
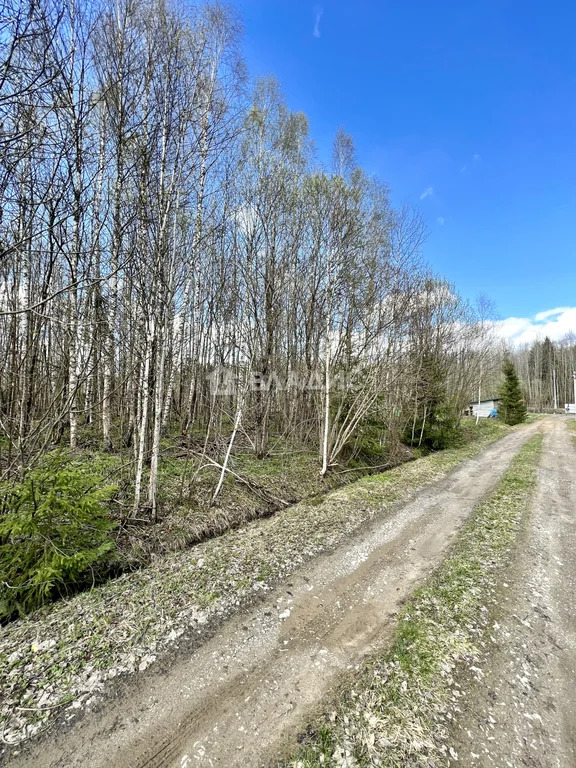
<point x="571" y="427"/>
<point x="532" y="417"/>
<point x="472" y="432"/>
<point x="126" y="623"/>
<point x="396" y="711"/>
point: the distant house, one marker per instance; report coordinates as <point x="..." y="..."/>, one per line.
<point x="483" y="408"/>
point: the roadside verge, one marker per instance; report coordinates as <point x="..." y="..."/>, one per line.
<point x="397" y="710"/>
<point x="59" y="658"/>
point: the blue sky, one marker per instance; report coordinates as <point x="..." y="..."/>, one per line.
<point x="466" y="109"/>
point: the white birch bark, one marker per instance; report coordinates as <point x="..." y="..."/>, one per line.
<point x="144" y="398"/>
<point x="326" y="426"/>
<point x="158" y="397"/>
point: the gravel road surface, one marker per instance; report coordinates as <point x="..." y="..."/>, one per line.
<point x="238" y="698"/>
<point x="523" y="712"/>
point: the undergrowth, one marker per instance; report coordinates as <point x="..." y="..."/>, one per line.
<point x="55" y="533"/>
<point x="72" y="648"/>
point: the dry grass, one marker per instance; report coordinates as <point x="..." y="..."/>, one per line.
<point x="571" y="427"/>
<point x="61" y="656"/>
<point x="397" y="710"/>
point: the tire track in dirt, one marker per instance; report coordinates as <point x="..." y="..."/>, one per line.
<point x="522" y="714"/>
<point x="236" y="699"/>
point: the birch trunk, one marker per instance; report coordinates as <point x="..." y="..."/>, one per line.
<point x="158" y="399"/>
<point x="326" y="430"/>
<point x="143" y="413"/>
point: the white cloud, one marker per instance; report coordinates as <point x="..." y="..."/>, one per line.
<point x="319" y="13"/>
<point x="550" y="313"/>
<point x="440" y="220"/>
<point x="554" y="323"/>
<point x="428" y="192"/>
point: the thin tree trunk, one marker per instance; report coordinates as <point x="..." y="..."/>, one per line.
<point x="143" y="425"/>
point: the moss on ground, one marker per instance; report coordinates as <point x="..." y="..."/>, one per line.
<point x="396" y="710"/>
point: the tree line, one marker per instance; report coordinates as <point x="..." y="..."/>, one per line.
<point x="547" y="369"/>
<point x="177" y="263"/>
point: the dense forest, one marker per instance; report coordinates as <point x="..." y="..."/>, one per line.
<point x="182" y="278"/>
<point x="547" y="369"/>
<point x="176" y="259"/>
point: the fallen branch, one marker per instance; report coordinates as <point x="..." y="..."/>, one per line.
<point x="266" y="495"/>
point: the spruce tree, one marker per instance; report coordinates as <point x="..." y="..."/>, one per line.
<point x="512" y="404"/>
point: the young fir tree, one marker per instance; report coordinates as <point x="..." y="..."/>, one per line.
<point x="512" y="405"/>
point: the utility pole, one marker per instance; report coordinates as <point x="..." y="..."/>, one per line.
<point x="555" y="388"/>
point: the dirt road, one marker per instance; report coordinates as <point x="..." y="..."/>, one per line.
<point x="234" y="701"/>
<point x="523" y="712"/>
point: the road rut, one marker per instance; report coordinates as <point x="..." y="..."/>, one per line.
<point x="238" y="698"/>
<point x="523" y="713"/>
